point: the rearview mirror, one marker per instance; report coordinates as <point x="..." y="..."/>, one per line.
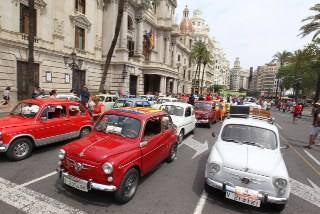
<point x="285" y="146"/>
<point x="213" y="134"/>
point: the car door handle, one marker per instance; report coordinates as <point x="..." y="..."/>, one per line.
<point x="143" y="143"/>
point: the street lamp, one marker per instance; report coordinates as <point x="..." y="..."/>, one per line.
<point x="74" y="64"/>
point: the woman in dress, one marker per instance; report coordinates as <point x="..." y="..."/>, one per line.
<point x="98" y="108"/>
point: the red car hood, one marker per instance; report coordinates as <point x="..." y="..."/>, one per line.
<point x="98" y="146"/>
<point x="13" y="121"/>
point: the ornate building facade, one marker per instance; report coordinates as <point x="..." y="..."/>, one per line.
<point x="142" y="62"/>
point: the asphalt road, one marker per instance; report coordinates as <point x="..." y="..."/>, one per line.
<point x="31" y="185"/>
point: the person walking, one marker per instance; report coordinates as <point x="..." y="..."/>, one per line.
<point x="84" y="96"/>
<point x="53" y="94"/>
<point x="191" y="100"/>
<point x="296" y="113"/>
<point x="36" y="92"/>
<point x="6" y="96"/>
<point x="315" y="130"/>
<point x="98" y="109"/>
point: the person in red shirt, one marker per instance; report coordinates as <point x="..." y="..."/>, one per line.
<point x="208" y="97"/>
<point x="296" y="112"/>
<point x="98" y="108"/>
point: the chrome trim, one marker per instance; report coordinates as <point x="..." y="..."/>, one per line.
<point x="124" y="165"/>
<point x="74" y="164"/>
<point x="3" y="147"/>
<point x="57" y="138"/>
<point x="261" y="196"/>
<point x="22" y="135"/>
<point x="91" y="185"/>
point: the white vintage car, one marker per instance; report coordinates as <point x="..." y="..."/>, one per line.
<point x="182" y="115"/>
<point x="246" y="163"/>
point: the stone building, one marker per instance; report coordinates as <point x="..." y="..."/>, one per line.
<point x="142" y="61"/>
<point x="239" y="78"/>
<point x="266" y="79"/>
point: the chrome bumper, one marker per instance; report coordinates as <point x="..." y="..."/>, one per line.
<point x="202" y="121"/>
<point x="3" y="147"/>
<point x="265" y="198"/>
<point x="91" y="185"/>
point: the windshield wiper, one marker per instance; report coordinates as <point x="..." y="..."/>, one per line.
<point x="253" y="144"/>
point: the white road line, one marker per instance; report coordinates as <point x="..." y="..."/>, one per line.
<point x="312" y="157"/>
<point x="201" y="203"/>
<point x="31" y="202"/>
<point x="37" y="179"/>
<point x="277" y="124"/>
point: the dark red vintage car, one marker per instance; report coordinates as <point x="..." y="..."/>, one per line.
<point x="205" y="112"/>
<point x="40" y="122"/>
<point x="124" y="145"/>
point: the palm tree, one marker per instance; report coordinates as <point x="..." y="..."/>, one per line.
<point x="206" y="60"/>
<point x="314" y="25"/>
<point x="145" y="4"/>
<point x="197" y="55"/>
<point x="281" y="58"/>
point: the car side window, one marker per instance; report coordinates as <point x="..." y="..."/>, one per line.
<point x="166" y="122"/>
<point x="188" y="112"/>
<point x="54" y="112"/>
<point x="114" y="99"/>
<point x="108" y="99"/>
<point x="139" y="104"/>
<point x="146" y="104"/>
<point x="74" y="111"/>
<point x="152" y="128"/>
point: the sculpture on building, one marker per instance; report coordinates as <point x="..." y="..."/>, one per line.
<point x="148" y="44"/>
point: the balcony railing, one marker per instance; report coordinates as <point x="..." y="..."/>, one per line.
<point x="26" y="37"/>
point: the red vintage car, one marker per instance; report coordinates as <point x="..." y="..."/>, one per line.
<point x="205" y="112"/>
<point x="124" y="145"/>
<point x="40" y="122"/>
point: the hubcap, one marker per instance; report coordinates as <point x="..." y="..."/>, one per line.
<point x="180" y="137"/>
<point x="21" y="149"/>
<point x="130" y="186"/>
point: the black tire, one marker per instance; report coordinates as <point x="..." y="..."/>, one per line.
<point x="128" y="186"/>
<point x="278" y="207"/>
<point x="181" y="136"/>
<point x="173" y="153"/>
<point x="84" y="132"/>
<point x="209" y="125"/>
<point x="20" y="149"/>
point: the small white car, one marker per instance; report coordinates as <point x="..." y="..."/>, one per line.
<point x="183" y="117"/>
<point x="108" y="100"/>
<point x="246" y="163"/>
<point x="164" y="100"/>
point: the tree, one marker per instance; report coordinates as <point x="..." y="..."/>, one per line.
<point x="145" y="4"/>
<point x="31" y="36"/>
<point x="197" y="55"/>
<point x="281" y="58"/>
<point x="314" y="23"/>
<point x="217" y="88"/>
<point x="207" y="59"/>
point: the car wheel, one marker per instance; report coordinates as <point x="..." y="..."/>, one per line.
<point x="181" y="136"/>
<point x="20" y="149"/>
<point x="278" y="207"/>
<point x="173" y="153"/>
<point x="209" y="125"/>
<point x="128" y="186"/>
<point x="84" y="132"/>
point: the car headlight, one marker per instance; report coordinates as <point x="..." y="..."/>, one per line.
<point x="107" y="168"/>
<point x="280" y="183"/>
<point x="62" y="154"/>
<point x="213" y="168"/>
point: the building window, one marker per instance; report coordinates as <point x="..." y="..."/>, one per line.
<point x="179" y="58"/>
<point x="184" y="73"/>
<point x="189" y="75"/>
<point x="24" y="19"/>
<point x="131" y="48"/>
<point x="80" y="6"/>
<point x="79" y="38"/>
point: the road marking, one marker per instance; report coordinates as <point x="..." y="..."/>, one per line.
<point x="277" y="124"/>
<point x="301" y="156"/>
<point x="37" y="179"/>
<point x="305" y="192"/>
<point x="201" y="203"/>
<point x="195" y="145"/>
<point x="30" y="201"/>
<point x="315" y="186"/>
<point x="312" y="157"/>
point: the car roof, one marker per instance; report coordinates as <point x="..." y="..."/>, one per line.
<point x="204" y="101"/>
<point x="180" y="104"/>
<point x="251" y="122"/>
<point x="132" y="99"/>
<point x="107" y="95"/>
<point x="42" y="102"/>
<point x="167" y="98"/>
<point x="140" y="113"/>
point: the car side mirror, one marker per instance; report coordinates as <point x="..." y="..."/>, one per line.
<point x="143" y="143"/>
<point x="213" y="134"/>
<point x="285" y="146"/>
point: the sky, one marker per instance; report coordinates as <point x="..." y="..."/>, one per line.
<point x="253" y="30"/>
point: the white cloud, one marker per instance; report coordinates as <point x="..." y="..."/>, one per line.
<point x="253" y="30"/>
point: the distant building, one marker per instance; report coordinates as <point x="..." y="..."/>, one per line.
<point x="266" y="79"/>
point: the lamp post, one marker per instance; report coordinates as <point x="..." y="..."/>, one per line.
<point x="74" y="63"/>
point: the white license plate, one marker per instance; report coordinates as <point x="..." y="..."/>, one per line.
<point x="202" y="121"/>
<point x="76" y="183"/>
<point x="246" y="199"/>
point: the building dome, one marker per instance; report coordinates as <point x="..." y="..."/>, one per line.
<point x="186" y="24"/>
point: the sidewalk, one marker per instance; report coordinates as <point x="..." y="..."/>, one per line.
<point x="5" y="109"/>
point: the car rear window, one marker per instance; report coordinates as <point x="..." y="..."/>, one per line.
<point x="251" y="135"/>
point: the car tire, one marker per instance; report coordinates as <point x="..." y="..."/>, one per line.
<point x="20" y="149"/>
<point x="209" y="125"/>
<point x="128" y="186"/>
<point x="181" y="136"/>
<point x="173" y="153"/>
<point x="278" y="207"/>
<point x="84" y="132"/>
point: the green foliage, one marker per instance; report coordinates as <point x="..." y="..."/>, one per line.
<point x="217" y="88"/>
<point x="242" y="90"/>
<point x="314" y="23"/>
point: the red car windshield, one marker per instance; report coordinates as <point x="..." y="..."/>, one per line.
<point x="27" y="110"/>
<point x="127" y="127"/>
<point x="203" y="106"/>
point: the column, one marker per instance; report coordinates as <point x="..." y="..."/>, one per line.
<point x="175" y="86"/>
<point x="167" y="54"/>
<point x="139" y="39"/>
<point x="124" y="28"/>
<point x="160" y="46"/>
<point x="163" y="85"/>
<point x="174" y="60"/>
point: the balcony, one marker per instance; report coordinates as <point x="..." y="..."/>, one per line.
<point x="26" y="37"/>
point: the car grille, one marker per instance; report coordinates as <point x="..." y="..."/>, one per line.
<point x="78" y="166"/>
